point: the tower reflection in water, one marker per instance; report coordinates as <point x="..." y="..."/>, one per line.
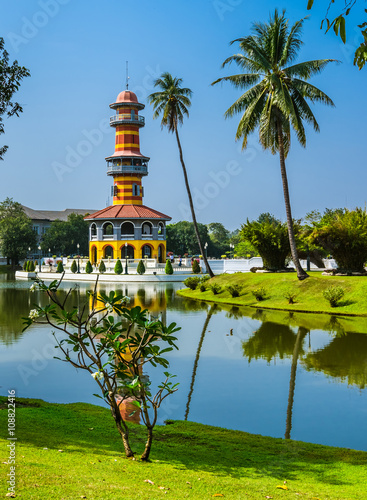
<point x="153" y="298"/>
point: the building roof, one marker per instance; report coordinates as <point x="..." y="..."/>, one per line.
<point x="127" y="212"/>
<point x="51" y="215"/>
<point x="127" y="98"/>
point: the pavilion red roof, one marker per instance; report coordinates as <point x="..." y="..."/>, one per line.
<point x="127" y="212"/>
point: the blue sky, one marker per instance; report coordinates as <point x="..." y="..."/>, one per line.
<point x="76" y="52"/>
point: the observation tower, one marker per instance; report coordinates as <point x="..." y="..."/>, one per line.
<point x="128" y="228"/>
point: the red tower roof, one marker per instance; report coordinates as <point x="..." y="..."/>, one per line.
<point x="126" y="96"/>
<point x="127" y="212"/>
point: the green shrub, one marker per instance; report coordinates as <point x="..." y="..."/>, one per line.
<point x="196" y="267"/>
<point x="73" y="267"/>
<point x="235" y="290"/>
<point x="60" y="267"/>
<point x="102" y="267"/>
<point x="333" y="294"/>
<point x="192" y="282"/>
<point x="202" y="287"/>
<point x="25" y="265"/>
<point x="88" y="267"/>
<point x="141" y="268"/>
<point x="269" y="237"/>
<point x="204" y="278"/>
<point x="290" y="296"/>
<point x="259" y="293"/>
<point x="215" y="288"/>
<point x="118" y="267"/>
<point x="168" y="269"/>
<point x="343" y="234"/>
<point x="32" y="267"/>
<point x="35" y="263"/>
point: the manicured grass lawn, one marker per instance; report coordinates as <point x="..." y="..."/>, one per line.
<point x="73" y="451"/>
<point x="309" y="292"/>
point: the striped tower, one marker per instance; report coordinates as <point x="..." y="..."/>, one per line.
<point x="128" y="229"/>
<point x="127" y="165"/>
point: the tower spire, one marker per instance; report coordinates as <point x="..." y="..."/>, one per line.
<point x="127" y="75"/>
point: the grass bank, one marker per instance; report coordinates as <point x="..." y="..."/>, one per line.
<point x="73" y="451"/>
<point x="309" y="293"/>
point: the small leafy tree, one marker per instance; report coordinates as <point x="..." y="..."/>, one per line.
<point x="168" y="268"/>
<point x="118" y="267"/>
<point x="113" y="343"/>
<point x="73" y="267"/>
<point x="60" y="267"/>
<point x="196" y="269"/>
<point x="290" y="296"/>
<point x="102" y="267"/>
<point x="141" y="268"/>
<point x="88" y="267"/>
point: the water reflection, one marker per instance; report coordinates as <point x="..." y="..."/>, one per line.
<point x="211" y="311"/>
<point x="270" y="361"/>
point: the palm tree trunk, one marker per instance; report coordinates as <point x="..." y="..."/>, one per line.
<point x="208" y="269"/>
<point x="301" y="274"/>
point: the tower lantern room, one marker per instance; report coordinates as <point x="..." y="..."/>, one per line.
<point x="127" y="165"/>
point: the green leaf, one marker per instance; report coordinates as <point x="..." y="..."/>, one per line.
<point x="309" y="4"/>
<point x="98" y="396"/>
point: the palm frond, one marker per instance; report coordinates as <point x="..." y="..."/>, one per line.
<point x="308" y="68"/>
<point x="239" y="81"/>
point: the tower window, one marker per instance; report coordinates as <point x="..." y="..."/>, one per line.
<point x="115" y="190"/>
<point x="136" y="190"/>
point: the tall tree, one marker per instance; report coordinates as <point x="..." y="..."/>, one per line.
<point x="10" y="78"/>
<point x="62" y="237"/>
<point x="172" y="102"/>
<point x="16" y="231"/>
<point x="276" y="101"/>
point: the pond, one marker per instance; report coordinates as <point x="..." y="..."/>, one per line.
<point x="273" y="373"/>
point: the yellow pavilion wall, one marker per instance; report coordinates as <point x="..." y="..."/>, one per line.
<point x="117" y="245"/>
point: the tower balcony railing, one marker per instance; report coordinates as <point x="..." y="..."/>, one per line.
<point x="121" y="169"/>
<point x="127" y="118"/>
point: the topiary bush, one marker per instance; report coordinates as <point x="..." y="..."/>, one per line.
<point x="215" y="288"/>
<point x="118" y="267"/>
<point x="259" y="293"/>
<point x="73" y="267"/>
<point x="60" y="267"/>
<point x="141" y="268"/>
<point x="333" y="294"/>
<point x="168" y="269"/>
<point x="25" y="265"/>
<point x="88" y="267"/>
<point x="202" y="287"/>
<point x="235" y="290"/>
<point x="192" y="282"/>
<point x="102" y="267"/>
<point x="32" y="267"/>
<point x="196" y="267"/>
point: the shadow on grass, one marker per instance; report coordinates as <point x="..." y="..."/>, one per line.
<point x="88" y="429"/>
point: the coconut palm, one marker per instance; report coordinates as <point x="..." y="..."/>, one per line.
<point x="172" y="102"/>
<point x="277" y="95"/>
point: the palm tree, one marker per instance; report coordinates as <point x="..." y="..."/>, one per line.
<point x="276" y="99"/>
<point x="173" y="102"/>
